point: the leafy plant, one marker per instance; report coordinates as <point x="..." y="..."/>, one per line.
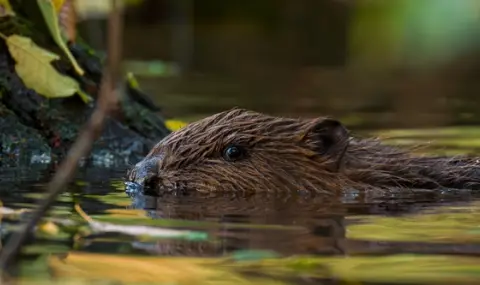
<point x="33" y="65"/>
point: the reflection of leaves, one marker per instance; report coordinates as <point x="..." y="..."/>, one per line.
<point x="114" y="198"/>
<point x="38" y="195"/>
<point x="47" y="248"/>
<point x="394" y="269"/>
<point x="33" y="66"/>
<point x="127" y="269"/>
<point x="119" y="185"/>
<point x="135" y="269"/>
<point x="435" y="269"/>
<point x="248" y="255"/>
<point x="122" y="216"/>
<point x="50" y="16"/>
<point x="446" y="224"/>
<point x="136" y="216"/>
<point x="145" y="231"/>
<point x="8" y="212"/>
<point x="48" y="228"/>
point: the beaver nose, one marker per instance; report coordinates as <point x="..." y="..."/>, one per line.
<point x="142" y="176"/>
<point x="144" y="171"/>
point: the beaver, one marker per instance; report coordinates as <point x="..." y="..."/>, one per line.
<point x="241" y="150"/>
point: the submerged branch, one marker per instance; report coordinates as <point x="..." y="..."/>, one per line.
<point x="106" y="102"/>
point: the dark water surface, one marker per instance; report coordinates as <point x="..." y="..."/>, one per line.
<point x="410" y="237"/>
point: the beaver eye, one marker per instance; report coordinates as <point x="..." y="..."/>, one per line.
<point x="233" y="152"/>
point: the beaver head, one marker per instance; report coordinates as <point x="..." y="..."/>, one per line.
<point x="241" y="150"/>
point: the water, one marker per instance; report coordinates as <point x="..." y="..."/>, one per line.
<point x="410" y="237"/>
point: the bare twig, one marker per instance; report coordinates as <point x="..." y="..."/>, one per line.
<point x="106" y="102"/>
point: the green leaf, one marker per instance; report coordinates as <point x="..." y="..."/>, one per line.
<point x="50" y="16"/>
<point x="34" y="68"/>
<point x="456" y="225"/>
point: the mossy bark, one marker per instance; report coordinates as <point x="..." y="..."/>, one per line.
<point x="34" y="127"/>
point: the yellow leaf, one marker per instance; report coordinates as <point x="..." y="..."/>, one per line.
<point x="50" y="16"/>
<point x="33" y="66"/>
<point x="175" y="125"/>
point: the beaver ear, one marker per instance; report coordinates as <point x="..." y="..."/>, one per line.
<point x="327" y="136"/>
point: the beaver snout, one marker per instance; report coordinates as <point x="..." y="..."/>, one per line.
<point x="145" y="172"/>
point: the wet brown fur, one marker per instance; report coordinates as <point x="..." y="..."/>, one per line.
<point x="284" y="154"/>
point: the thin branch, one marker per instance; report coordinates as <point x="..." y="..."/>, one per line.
<point x="106" y="102"/>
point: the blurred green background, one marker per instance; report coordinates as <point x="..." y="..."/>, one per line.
<point x="371" y="63"/>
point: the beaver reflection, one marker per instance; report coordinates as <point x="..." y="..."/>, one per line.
<point x="244" y="151"/>
<point x="285" y="224"/>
